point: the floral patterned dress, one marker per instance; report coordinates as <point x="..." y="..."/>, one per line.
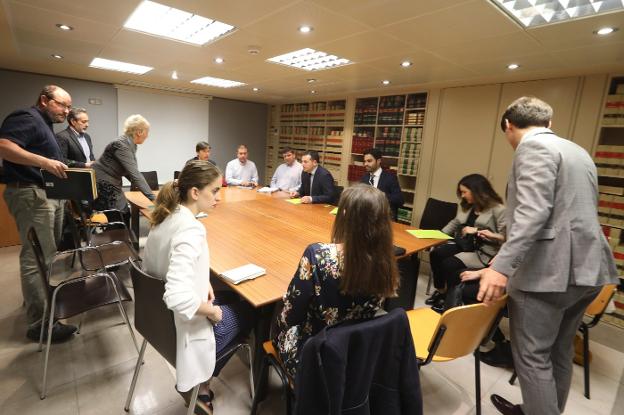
<point x="313" y="300"/>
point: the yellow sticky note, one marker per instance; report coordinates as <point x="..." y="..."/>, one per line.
<point x="294" y="201"/>
<point x="334" y="211"/>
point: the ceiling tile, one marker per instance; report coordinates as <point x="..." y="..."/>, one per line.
<point x="362" y="46"/>
<point x="612" y="53"/>
<point x="497" y="66"/>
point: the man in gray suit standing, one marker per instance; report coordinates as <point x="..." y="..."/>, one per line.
<point x="555" y="259"/>
<point x="74" y="142"/>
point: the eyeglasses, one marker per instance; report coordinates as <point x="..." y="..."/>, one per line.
<point x="61" y="104"/>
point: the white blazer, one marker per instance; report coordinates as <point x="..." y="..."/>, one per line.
<point x="177" y="251"/>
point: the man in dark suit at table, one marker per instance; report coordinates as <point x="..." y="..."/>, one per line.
<point x="317" y="184"/>
<point x="75" y="143"/>
<point x="382" y="179"/>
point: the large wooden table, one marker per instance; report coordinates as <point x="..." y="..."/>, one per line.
<point x="266" y="230"/>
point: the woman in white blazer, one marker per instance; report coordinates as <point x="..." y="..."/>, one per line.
<point x="479" y="231"/>
<point x="177" y="251"/>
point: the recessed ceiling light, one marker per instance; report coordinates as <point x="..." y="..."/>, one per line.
<point x="313" y="92"/>
<point x="513" y="66"/>
<point x="218" y="60"/>
<point x="605" y="31"/>
<point x="174" y="75"/>
<point x="306" y="29"/>
<point x="539" y="13"/>
<point x="160" y="20"/>
<point x="55" y="56"/>
<point x="405" y="64"/>
<point x="64" y="27"/>
<point x="311" y="80"/>
<point x="119" y="66"/>
<point x="309" y="60"/>
<point x="385" y="82"/>
<point x="256" y="89"/>
<point x="221" y="83"/>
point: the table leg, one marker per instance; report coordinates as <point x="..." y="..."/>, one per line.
<point x="134" y="224"/>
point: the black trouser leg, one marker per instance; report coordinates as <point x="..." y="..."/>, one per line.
<point x="437" y="257"/>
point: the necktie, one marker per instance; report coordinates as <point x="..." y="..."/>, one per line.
<point x="371" y="180"/>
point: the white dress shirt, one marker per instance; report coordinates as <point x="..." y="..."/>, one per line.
<point x="83" y="143"/>
<point x="287" y="177"/>
<point x="375" y="176"/>
<point x="236" y="173"/>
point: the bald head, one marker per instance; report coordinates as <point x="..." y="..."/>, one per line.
<point x="55" y="102"/>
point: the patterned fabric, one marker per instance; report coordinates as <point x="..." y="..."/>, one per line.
<point x="313" y="301"/>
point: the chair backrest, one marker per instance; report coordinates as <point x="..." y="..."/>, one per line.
<point x="337" y="193"/>
<point x="152" y="318"/>
<point x="151" y="177"/>
<point x="437" y="214"/>
<point x="600" y="303"/>
<point x="176" y="174"/>
<point x="35" y="245"/>
<point x="464" y="328"/>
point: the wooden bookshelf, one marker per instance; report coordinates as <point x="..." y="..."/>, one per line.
<point x="394" y="124"/>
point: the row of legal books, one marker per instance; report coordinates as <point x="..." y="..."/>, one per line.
<point x="355" y="172"/>
<point x="609" y="160"/>
<point x="611" y="210"/>
<point x="404" y="215"/>
<point x="614" y="108"/>
<point x="359" y="144"/>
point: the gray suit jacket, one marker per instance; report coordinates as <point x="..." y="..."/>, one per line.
<point x="554" y="239"/>
<point x="71" y="149"/>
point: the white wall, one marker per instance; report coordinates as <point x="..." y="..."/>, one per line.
<point x="177" y="124"/>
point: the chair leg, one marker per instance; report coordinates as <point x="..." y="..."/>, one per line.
<point x="251" y="376"/>
<point x="429" y="283"/>
<point x="48" y="343"/>
<point x="585" y="331"/>
<point x="135" y="377"/>
<point x="43" y="319"/>
<point x="80" y="323"/>
<point x="513" y="377"/>
<point x="113" y="278"/>
<point x="261" y="385"/>
<point x="193" y="401"/>
<point x="477" y="356"/>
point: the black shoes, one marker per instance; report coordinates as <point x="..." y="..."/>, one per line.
<point x="60" y="332"/>
<point x="505" y="407"/>
<point x="435" y="298"/>
<point x="499" y="356"/>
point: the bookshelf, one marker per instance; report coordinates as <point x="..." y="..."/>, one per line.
<point x="272" y="158"/>
<point x="394" y="124"/>
<point x="609" y="159"/>
<point x="316" y="126"/>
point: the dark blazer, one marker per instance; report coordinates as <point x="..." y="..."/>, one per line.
<point x="323" y="190"/>
<point x="72" y="152"/>
<point x="389" y="184"/>
<point x="360" y="368"/>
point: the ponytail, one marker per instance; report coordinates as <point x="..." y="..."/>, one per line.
<point x="166" y="202"/>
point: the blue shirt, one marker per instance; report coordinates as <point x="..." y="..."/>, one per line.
<point x="31" y="129"/>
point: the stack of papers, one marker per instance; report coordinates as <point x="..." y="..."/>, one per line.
<point x="244" y="273"/>
<point x="266" y="189"/>
<point x="428" y="234"/>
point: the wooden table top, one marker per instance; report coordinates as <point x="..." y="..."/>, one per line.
<point x="266" y="230"/>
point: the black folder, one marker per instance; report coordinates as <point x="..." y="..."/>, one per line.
<point x="79" y="185"/>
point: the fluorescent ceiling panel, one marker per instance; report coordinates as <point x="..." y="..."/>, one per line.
<point x="221" y="83"/>
<point x="531" y="13"/>
<point x="310" y="60"/>
<point x="164" y="21"/>
<point x="119" y="66"/>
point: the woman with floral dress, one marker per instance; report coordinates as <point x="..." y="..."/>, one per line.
<point x="347" y="279"/>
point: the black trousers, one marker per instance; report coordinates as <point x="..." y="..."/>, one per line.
<point x="445" y="267"/>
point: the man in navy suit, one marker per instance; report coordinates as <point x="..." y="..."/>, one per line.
<point x="75" y="143"/>
<point x="382" y="179"/>
<point x="317" y="184"/>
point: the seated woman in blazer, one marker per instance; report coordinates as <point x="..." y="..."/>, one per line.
<point x="479" y="231"/>
<point x="347" y="279"/>
<point x="177" y="251"/>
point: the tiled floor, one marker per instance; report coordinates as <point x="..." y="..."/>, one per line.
<point x="91" y="373"/>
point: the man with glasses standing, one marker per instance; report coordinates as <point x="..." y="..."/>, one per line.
<point x="28" y="144"/>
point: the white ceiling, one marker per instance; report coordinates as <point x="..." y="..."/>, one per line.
<point x="450" y="42"/>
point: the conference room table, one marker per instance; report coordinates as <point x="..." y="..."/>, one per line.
<point x="267" y="230"/>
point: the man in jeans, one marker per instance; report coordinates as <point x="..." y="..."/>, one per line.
<point x="28" y="144"/>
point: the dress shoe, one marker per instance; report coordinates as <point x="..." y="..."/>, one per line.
<point x="505" y="407"/>
<point x="435" y="297"/>
<point x="499" y="356"/>
<point x="439" y="306"/>
<point x="60" y="332"/>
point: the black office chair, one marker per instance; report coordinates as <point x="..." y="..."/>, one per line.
<point x="337" y="193"/>
<point x="176" y="174"/>
<point x="436" y="215"/>
<point x="154" y="321"/>
<point x="151" y="177"/>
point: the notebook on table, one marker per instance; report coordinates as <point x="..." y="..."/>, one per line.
<point x="243" y="273"/>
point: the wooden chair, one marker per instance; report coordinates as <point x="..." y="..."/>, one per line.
<point x="155" y="322"/>
<point x="74" y="296"/>
<point x="151" y="177"/>
<point x="594" y="310"/>
<point x="436" y="215"/>
<point x="454" y="334"/>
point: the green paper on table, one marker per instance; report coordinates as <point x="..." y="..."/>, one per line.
<point x="334" y="211"/>
<point x="294" y="201"/>
<point x="428" y="234"/>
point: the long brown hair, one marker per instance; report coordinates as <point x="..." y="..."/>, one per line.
<point x="483" y="194"/>
<point x="196" y="173"/>
<point x="364" y="228"/>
